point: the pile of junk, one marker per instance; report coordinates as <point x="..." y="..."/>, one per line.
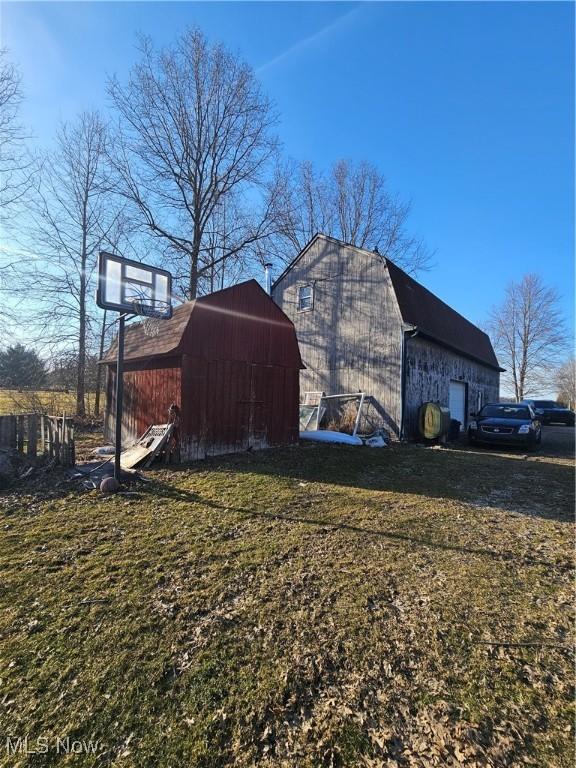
<point x="343" y="418"/>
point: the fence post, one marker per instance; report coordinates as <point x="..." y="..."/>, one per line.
<point x="57" y="443"/>
<point x="32" y="436"/>
<point x="72" y="445"/>
<point x="50" y="426"/>
<point x="62" y="443"/>
<point x="56" y="434"/>
<point x="20" y="434"/>
<point x="8" y="431"/>
<point x="67" y="441"/>
<point x="42" y="434"/>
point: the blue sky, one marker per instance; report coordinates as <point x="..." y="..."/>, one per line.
<point x="467" y="108"/>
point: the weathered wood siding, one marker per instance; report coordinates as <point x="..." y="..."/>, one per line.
<point x="231" y="405"/>
<point x="429" y="370"/>
<point x="226" y="406"/>
<point x="351" y="339"/>
<point x="149" y="390"/>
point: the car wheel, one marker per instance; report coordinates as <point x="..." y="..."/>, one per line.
<point x="539" y="438"/>
<point x="532" y="444"/>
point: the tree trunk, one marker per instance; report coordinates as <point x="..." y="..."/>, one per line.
<point x="99" y="369"/>
<point x="81" y="376"/>
<point x="193" y="281"/>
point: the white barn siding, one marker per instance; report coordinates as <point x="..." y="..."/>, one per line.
<point x="350" y="341"/>
<point x="429" y="370"/>
<point x="352" y="338"/>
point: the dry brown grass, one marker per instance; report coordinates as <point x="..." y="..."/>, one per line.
<point x="314" y="606"/>
<point x="342" y="416"/>
<point x="41" y="401"/>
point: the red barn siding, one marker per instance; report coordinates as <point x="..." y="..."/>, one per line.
<point x="241" y="323"/>
<point x="148" y="393"/>
<point x="230" y="406"/>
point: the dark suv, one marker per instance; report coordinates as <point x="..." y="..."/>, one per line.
<point x="550" y="412"/>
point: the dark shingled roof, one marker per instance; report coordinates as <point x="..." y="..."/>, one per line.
<point x="237" y="323"/>
<point x="438" y="321"/>
<point x="137" y="344"/>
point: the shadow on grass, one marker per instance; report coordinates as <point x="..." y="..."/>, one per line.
<point x="479" y="477"/>
<point x="165" y="491"/>
<point x="492" y="480"/>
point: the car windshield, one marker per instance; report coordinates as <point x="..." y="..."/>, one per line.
<point x="545" y="404"/>
<point x="504" y="412"/>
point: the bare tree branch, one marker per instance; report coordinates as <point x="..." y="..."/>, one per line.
<point x="193" y="138"/>
<point x="73" y="215"/>
<point x="529" y="335"/>
<point x="351" y="203"/>
<point x="16" y="164"/>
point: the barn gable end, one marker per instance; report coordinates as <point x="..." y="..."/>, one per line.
<point x="350" y="338"/>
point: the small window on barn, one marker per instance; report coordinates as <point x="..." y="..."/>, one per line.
<point x="305" y="298"/>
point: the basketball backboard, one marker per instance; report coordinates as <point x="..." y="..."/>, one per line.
<point x="134" y="288"/>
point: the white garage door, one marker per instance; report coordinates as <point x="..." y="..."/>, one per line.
<point x="457" y="402"/>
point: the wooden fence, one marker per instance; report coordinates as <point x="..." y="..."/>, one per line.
<point x="34" y="434"/>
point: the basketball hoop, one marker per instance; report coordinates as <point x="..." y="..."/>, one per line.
<point x="151" y="314"/>
<point x="135" y="288"/>
<point x="131" y="288"/>
<point x="151" y="326"/>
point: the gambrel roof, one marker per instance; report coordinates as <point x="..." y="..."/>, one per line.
<point x="424" y="311"/>
<point x="435" y="319"/>
<point x="237" y="323"/>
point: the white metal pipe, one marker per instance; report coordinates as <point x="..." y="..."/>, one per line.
<point x="349" y="394"/>
<point x="268" y="278"/>
<point x="357" y="424"/>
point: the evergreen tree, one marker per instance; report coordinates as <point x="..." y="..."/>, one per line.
<point x="21" y="367"/>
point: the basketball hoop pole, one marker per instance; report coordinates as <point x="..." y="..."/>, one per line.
<point x="119" y="396"/>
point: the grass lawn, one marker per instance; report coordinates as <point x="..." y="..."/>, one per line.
<point x="313" y="606"/>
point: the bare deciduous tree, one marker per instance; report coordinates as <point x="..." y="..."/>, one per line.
<point x="72" y="219"/>
<point x="529" y="335"/>
<point x="352" y="203"/>
<point x="194" y="132"/>
<point x="15" y="163"/>
<point x="566" y="383"/>
<point x="16" y="170"/>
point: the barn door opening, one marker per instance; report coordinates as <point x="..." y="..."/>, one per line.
<point x="457" y="402"/>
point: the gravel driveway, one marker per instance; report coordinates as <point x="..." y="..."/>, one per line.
<point x="558" y="441"/>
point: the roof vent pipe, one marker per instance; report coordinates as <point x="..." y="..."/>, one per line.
<point x="268" y="278"/>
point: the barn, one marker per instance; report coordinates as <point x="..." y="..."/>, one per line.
<point x="230" y="361"/>
<point x="363" y="324"/>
